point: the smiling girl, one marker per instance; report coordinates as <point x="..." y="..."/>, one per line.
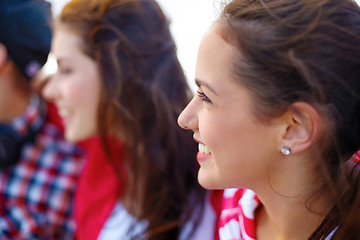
<point x="276" y="116"/>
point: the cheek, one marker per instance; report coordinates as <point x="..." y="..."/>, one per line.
<point x="228" y="139"/>
<point x="76" y="99"/>
<point x="214" y="131"/>
<point x="84" y="93"/>
<point x="215" y="127"/>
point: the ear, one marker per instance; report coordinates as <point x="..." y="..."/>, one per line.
<point x="302" y="122"/>
<point x="3" y="55"/>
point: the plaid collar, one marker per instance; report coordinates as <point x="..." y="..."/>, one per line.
<point x="33" y="117"/>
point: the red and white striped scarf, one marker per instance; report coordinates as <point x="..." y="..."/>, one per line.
<point x="237" y="217"/>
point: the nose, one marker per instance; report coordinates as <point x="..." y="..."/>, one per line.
<point x="50" y="90"/>
<point x="188" y="117"/>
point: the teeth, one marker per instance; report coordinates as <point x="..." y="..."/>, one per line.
<point x="63" y="112"/>
<point x="204" y="149"/>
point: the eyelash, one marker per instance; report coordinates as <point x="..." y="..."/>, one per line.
<point x="203" y="97"/>
<point x="64" y="70"/>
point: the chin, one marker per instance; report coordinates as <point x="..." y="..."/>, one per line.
<point x="207" y="180"/>
<point x="75" y="138"/>
<point x="71" y="139"/>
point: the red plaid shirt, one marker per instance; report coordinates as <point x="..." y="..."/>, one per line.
<point x="36" y="194"/>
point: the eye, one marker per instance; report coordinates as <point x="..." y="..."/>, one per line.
<point x="64" y="70"/>
<point x="203" y="97"/>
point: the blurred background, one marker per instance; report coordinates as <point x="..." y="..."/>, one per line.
<point x="189" y="19"/>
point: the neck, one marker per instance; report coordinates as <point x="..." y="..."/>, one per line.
<point x="13" y="98"/>
<point x="289" y="219"/>
<point x="13" y="107"/>
<point x="293" y="207"/>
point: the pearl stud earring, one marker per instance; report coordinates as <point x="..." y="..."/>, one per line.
<point x="285" y="150"/>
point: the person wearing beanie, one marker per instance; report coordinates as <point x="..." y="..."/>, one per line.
<point x="38" y="168"/>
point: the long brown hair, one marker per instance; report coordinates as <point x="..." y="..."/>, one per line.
<point x="143" y="92"/>
<point x="350" y="229"/>
<point x="304" y="50"/>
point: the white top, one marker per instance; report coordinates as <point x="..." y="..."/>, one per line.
<point x="120" y="221"/>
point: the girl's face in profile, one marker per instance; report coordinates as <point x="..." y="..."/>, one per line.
<point x="75" y="88"/>
<point x="234" y="148"/>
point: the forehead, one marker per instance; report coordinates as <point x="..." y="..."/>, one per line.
<point x="216" y="37"/>
<point x="216" y="57"/>
<point x="65" y="39"/>
<point x="67" y="47"/>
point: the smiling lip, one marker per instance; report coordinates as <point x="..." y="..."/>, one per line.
<point x="65" y="120"/>
<point x="63" y="113"/>
<point x="202" y="157"/>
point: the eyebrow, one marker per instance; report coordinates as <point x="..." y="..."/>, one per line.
<point x="59" y="61"/>
<point x="200" y="83"/>
<point x="64" y="57"/>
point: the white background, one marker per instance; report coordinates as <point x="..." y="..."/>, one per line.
<point x="189" y="19"/>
